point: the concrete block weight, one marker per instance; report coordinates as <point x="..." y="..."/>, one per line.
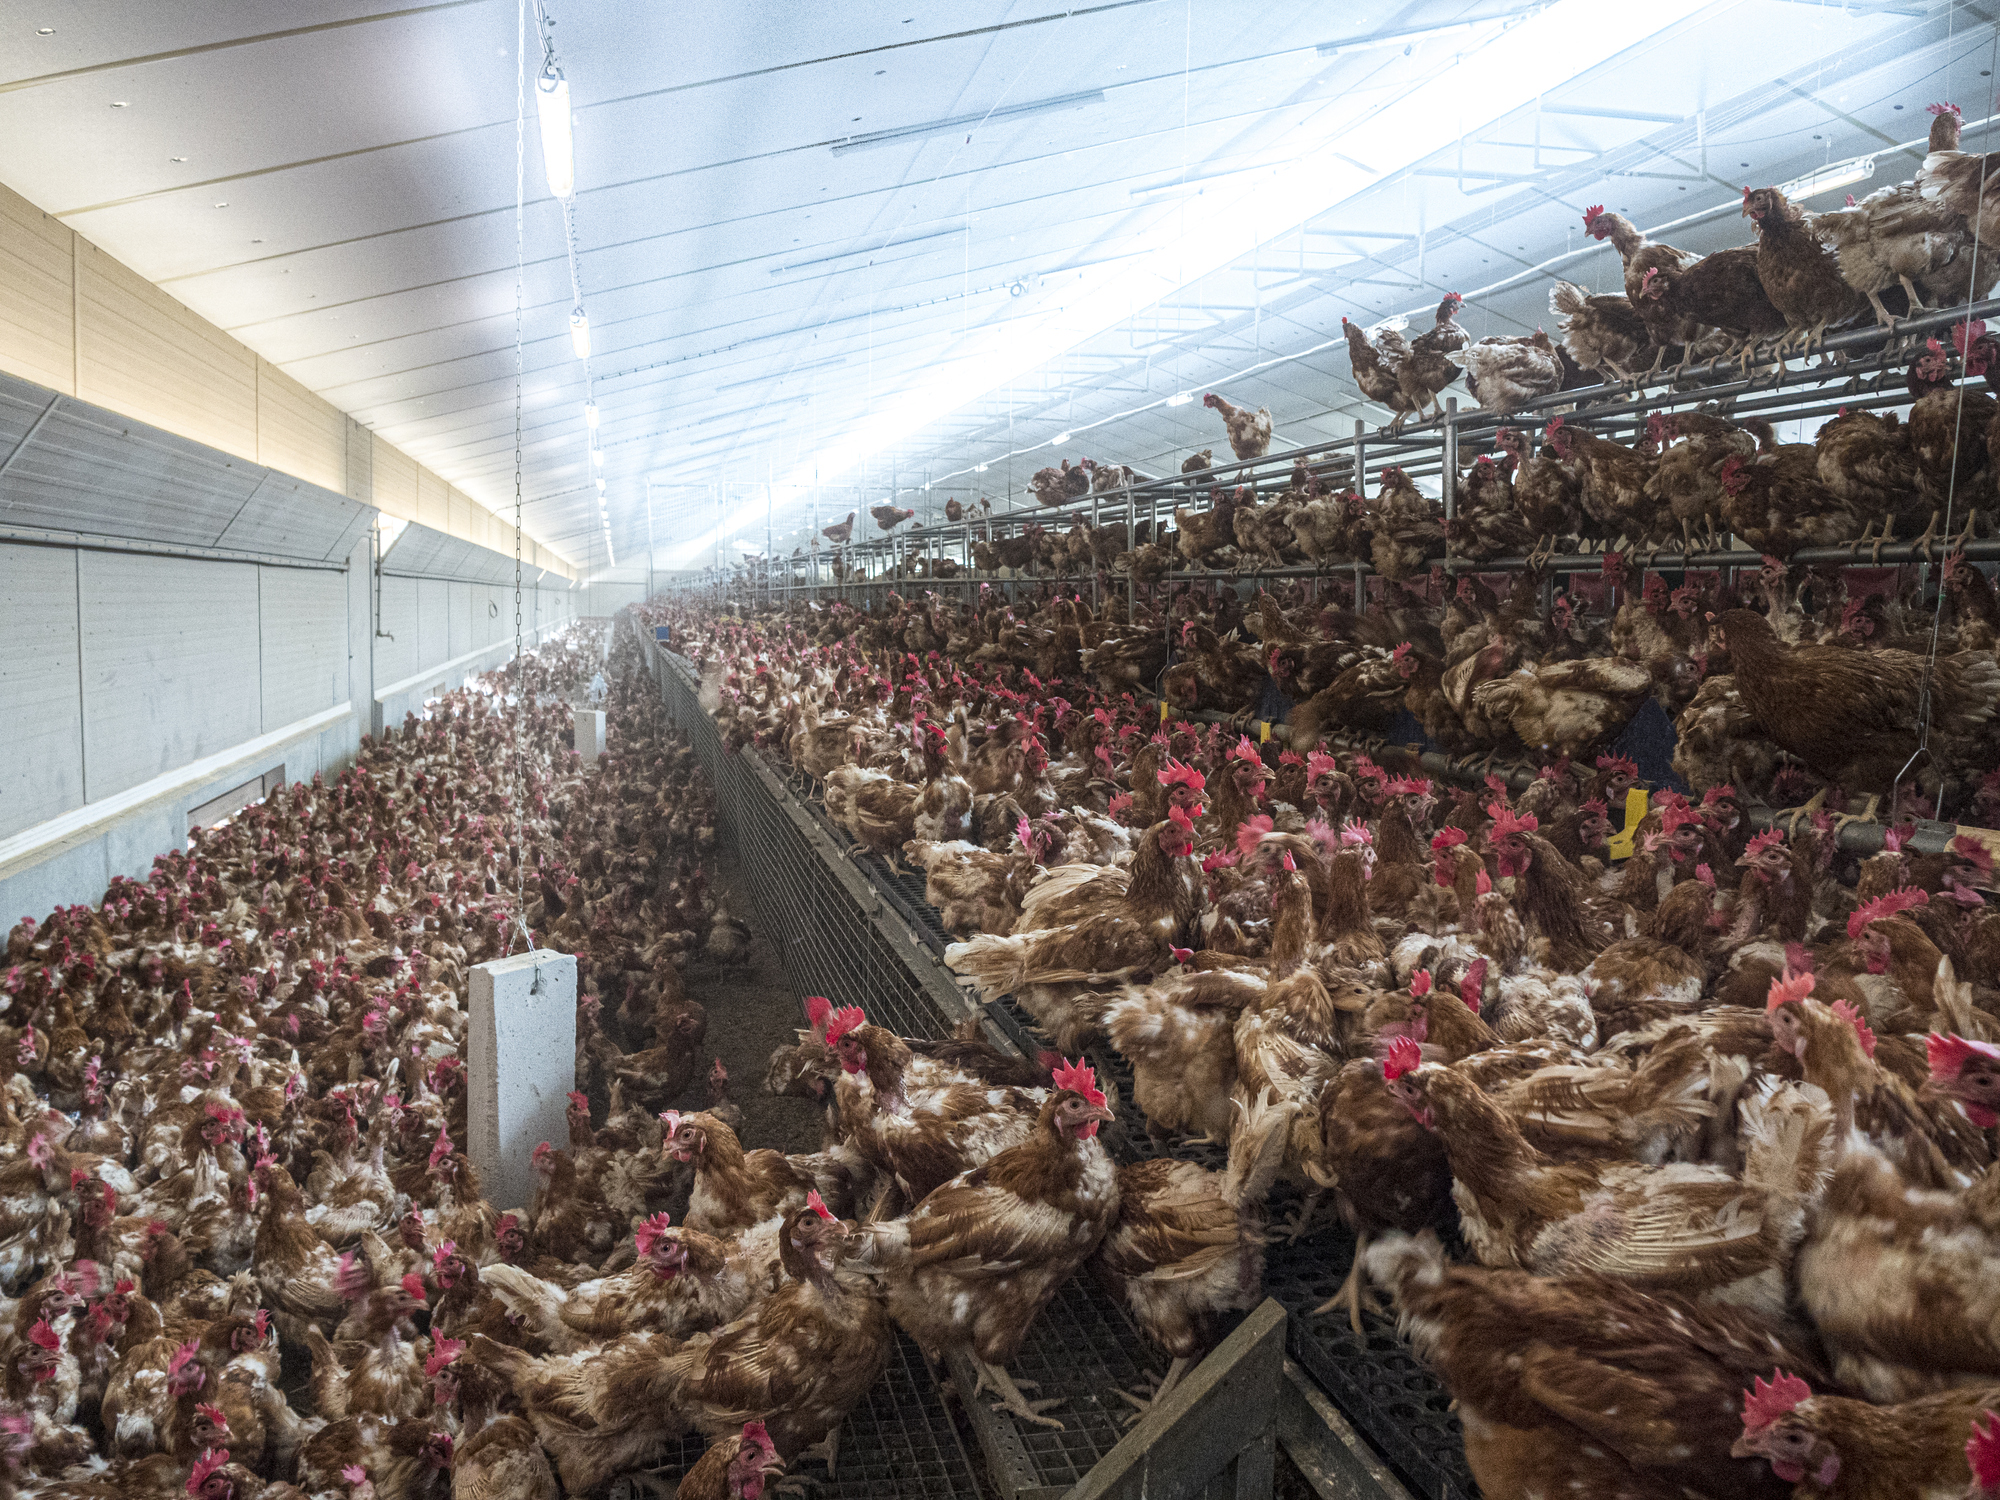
<point x="589" y="733"/>
<point x="521" y="1065"/>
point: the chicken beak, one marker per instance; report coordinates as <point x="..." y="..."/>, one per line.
<point x="1745" y="1447"/>
<point x="1098" y="1112"/>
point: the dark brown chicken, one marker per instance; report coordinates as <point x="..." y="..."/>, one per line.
<point x="1852" y="716"/>
<point x="1799" y="274"/>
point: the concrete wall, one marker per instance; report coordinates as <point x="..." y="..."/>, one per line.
<point x="144" y="679"/>
<point x="444" y="631"/>
<point x="608" y="592"/>
<point x="144" y="669"/>
<point x="141" y="686"/>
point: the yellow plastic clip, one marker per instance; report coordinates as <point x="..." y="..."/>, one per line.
<point x="1635" y="814"/>
<point x="1263" y="731"/>
<point x="1163" y="710"/>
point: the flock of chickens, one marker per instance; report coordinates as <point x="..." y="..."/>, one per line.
<point x="1712" y="1124"/>
<point x="1689" y="478"/>
<point x="244" y="1255"/>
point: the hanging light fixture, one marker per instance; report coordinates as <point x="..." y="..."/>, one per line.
<point x="600" y="484"/>
<point x="590" y="415"/>
<point x="597" y="457"/>
<point x="558" y="154"/>
<point x="579" y="332"/>
<point x="1180" y="398"/>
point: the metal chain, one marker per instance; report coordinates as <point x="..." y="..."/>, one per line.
<point x="520" y="663"/>
<point x="1925" y="695"/>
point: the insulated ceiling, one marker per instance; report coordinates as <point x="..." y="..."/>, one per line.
<point x="789" y="219"/>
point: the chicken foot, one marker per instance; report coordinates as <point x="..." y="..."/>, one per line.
<point x="827" y="1448"/>
<point x="1866" y="815"/>
<point x="1353" y="1293"/>
<point x="1793" y="814"/>
<point x="1923" y="543"/>
<point x="1156" y="1389"/>
<point x="1302" y="1216"/>
<point x="995" y="1379"/>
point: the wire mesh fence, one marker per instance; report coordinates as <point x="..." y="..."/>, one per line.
<point x="851" y="928"/>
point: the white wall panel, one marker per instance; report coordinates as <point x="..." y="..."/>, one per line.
<point x="397" y="659"/>
<point x="460" y="613"/>
<point x="41" y="773"/>
<point x="433" y="624"/>
<point x="170" y="664"/>
<point x="303" y="622"/>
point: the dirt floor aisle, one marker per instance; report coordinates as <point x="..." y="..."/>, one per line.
<point x="751" y="1013"/>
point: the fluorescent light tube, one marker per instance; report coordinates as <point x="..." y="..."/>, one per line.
<point x="579" y="334"/>
<point x="1512" y="67"/>
<point x="1180" y="398"/>
<point x="558" y="151"/>
<point x="1828" y="178"/>
<point x="590" y="415"/>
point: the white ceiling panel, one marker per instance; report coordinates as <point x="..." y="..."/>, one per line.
<point x="790" y="221"/>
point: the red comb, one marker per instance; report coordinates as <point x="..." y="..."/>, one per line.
<point x="1948" y="1055"/>
<point x="1982" y="1453"/>
<point x="212" y="1414"/>
<point x="818" y="1206"/>
<point x="1078" y="1077"/>
<point x="211" y="1459"/>
<point x="1472" y="984"/>
<point x="1447" y="838"/>
<point x="1789" y="986"/>
<point x="1420" y="984"/>
<point x="1846" y="1011"/>
<point x="846" y="1019"/>
<point x="1250" y="832"/>
<point x="1765" y="1402"/>
<point x="1404" y="1056"/>
<point x="1506" y="821"/>
<point x="45" y="1336"/>
<point x="1893" y="904"/>
<point x="414" y="1285"/>
<point x="650" y="1232"/>
<point x="443" y="1352"/>
<point x="1966" y="847"/>
<point x="1765" y="840"/>
<point x="443" y="1147"/>
<point x="1173" y="771"/>
<point x="818" y="1008"/>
